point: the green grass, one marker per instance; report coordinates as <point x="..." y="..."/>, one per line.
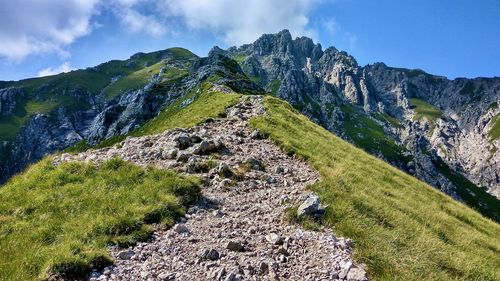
<point x="370" y="136"/>
<point x="403" y="229"/>
<point x="133" y="81"/>
<point x="275" y="86"/>
<point x="60" y="220"/>
<point x="494" y="132"/>
<point x="239" y="58"/>
<point x="206" y="104"/>
<point x="471" y="194"/>
<point x="395" y="122"/>
<point x="425" y="110"/>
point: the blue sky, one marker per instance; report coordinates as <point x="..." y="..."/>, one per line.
<point x="454" y="38"/>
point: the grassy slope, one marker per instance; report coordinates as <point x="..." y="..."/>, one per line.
<point x="403" y="229"/>
<point x="206" y="104"/>
<point x="425" y="110"/>
<point x="370" y="136"/>
<point x="494" y="132"/>
<point x="61" y="219"/>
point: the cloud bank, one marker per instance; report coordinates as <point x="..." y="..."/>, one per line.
<point x="242" y="21"/>
<point x="30" y="27"/>
<point x="35" y="27"/>
<point x="65" y="67"/>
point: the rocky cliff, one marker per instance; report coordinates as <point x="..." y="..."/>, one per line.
<point x="440" y="130"/>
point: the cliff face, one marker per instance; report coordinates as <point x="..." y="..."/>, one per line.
<point x="432" y="127"/>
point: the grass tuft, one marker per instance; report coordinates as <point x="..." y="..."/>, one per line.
<point x="59" y="220"/>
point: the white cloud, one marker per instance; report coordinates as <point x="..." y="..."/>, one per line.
<point x="242" y="21"/>
<point x="136" y="22"/>
<point x="39" y="27"/>
<point x="35" y="27"/>
<point x="65" y="67"/>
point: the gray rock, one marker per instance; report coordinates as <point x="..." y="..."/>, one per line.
<point x="255" y="164"/>
<point x="309" y="207"/>
<point x="274" y="239"/>
<point x="210" y="254"/>
<point x="224" y="171"/>
<point x="182" y="141"/>
<point x="181" y="228"/>
<point x="235" y="246"/>
<point x="356" y="274"/>
<point x="126" y="255"/>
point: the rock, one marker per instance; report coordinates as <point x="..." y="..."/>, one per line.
<point x="182" y="141"/>
<point x="126" y="255"/>
<point x="224" y="171"/>
<point x="206" y="147"/>
<point x="218" y="213"/>
<point x="225" y="183"/>
<point x="356" y="274"/>
<point x="210" y="254"/>
<point x="235" y="246"/>
<point x="183" y="156"/>
<point x="279" y="170"/>
<point x="166" y="276"/>
<point x="181" y="228"/>
<point x="255" y="134"/>
<point x="271" y="180"/>
<point x="274" y="239"/>
<point x="170" y="153"/>
<point x="283" y="252"/>
<point x="254" y="164"/>
<point x="262" y="268"/>
<point x="309" y="207"/>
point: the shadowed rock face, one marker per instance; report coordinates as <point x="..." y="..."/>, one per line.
<point x="331" y="88"/>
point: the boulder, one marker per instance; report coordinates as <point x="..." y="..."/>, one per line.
<point x="310" y="207"/>
<point x="235" y="246"/>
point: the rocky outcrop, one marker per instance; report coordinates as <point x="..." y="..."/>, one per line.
<point x="330" y="87"/>
<point x="8" y="100"/>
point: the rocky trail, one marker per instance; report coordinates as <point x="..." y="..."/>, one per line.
<point x="236" y="230"/>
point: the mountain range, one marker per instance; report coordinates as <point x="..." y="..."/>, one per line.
<point x="445" y="132"/>
<point x="273" y="160"/>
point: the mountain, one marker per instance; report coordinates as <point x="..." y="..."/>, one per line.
<point x="445" y="132"/>
<point x="258" y="184"/>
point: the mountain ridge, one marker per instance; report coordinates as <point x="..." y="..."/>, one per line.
<point x="390" y="112"/>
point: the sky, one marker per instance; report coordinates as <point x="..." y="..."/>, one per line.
<point x="452" y="38"/>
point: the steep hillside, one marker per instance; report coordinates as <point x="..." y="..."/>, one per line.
<point x="402" y="228"/>
<point x="442" y="131"/>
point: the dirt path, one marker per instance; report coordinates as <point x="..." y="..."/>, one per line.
<point x="236" y="231"/>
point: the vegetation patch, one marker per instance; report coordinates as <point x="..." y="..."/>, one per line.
<point x="472" y="195"/>
<point x="425" y="110"/>
<point x="133" y="81"/>
<point x="239" y="58"/>
<point x="275" y="86"/>
<point x="370" y="136"/>
<point x="494" y="132"/>
<point x="206" y="104"/>
<point x="399" y="226"/>
<point x="59" y="220"/>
